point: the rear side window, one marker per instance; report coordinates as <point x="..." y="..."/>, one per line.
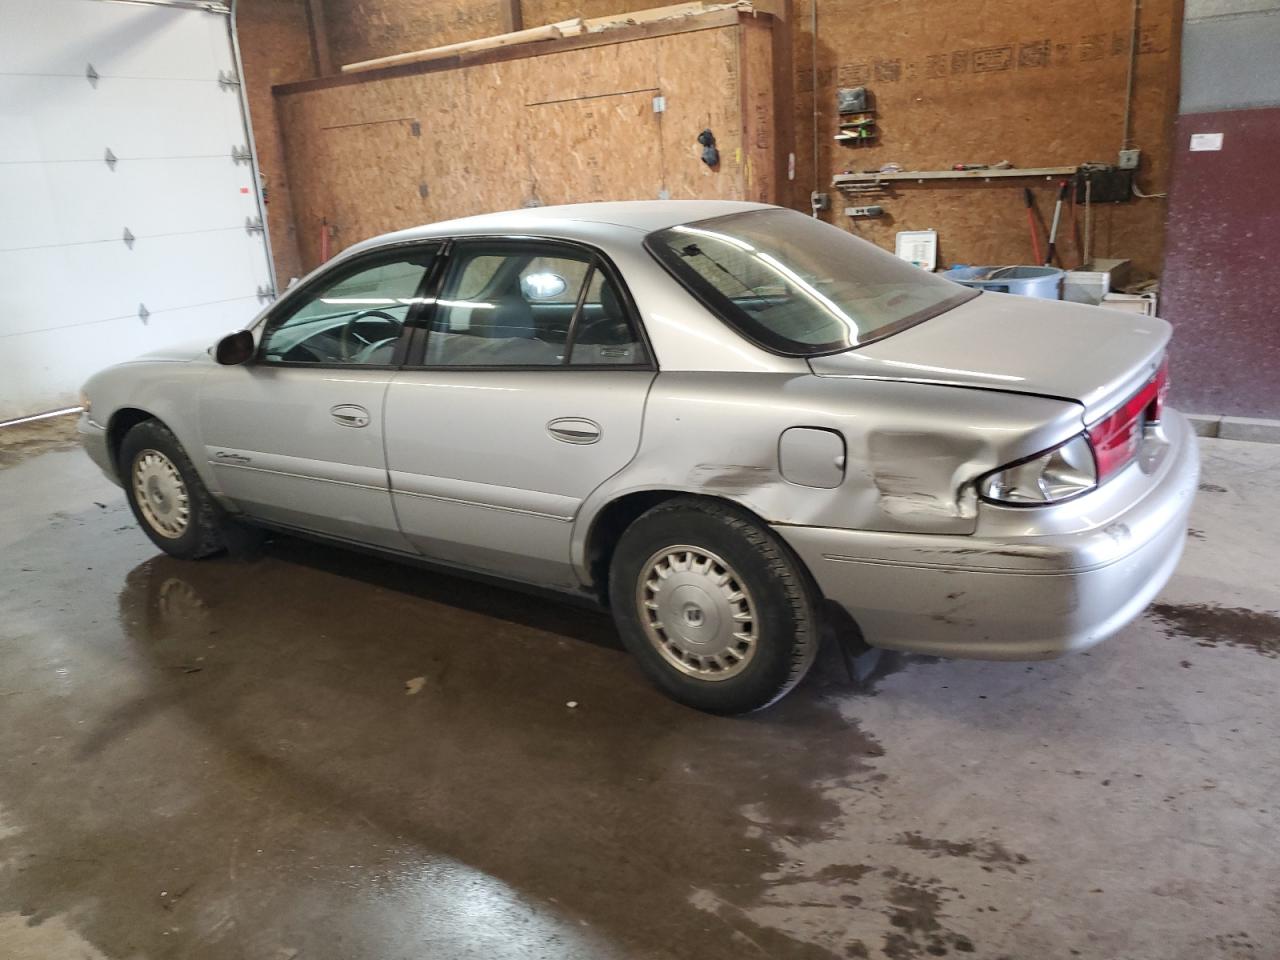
<point x="530" y="305"/>
<point x="798" y="286"/>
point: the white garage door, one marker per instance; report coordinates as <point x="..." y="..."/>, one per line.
<point x="129" y="208"/>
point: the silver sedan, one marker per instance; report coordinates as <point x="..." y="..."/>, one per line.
<point x="729" y="422"/>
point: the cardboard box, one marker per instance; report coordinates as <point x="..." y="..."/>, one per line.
<point x="1095" y="279"/>
<point x="1143" y="303"/>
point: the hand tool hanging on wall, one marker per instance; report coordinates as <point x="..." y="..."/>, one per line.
<point x="1053" y="229"/>
<point x="1075" y="228"/>
<point x="1030" y="202"/>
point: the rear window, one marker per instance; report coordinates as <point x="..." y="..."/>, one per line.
<point x="798" y="286"/>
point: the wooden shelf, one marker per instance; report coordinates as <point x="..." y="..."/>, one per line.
<point x="1048" y="173"/>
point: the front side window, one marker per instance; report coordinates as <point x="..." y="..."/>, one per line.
<point x="529" y="304"/>
<point x="353" y="316"/>
<point x="798" y="286"/>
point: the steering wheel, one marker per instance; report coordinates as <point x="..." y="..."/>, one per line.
<point x="349" y="338"/>
<point x="598" y="331"/>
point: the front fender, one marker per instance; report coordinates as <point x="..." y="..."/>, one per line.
<point x="168" y="390"/>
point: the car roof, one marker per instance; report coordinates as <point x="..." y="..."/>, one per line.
<point x="573" y="219"/>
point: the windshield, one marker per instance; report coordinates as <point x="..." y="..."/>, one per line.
<point x="798" y="286"/>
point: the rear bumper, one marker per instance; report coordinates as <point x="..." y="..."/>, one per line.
<point x="1023" y="597"/>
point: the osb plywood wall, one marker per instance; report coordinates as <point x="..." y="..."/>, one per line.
<point x="365" y="29"/>
<point x="576" y="125"/>
<point x="275" y="48"/>
<point x="1038" y="84"/>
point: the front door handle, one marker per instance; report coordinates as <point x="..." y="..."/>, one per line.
<point x="350" y="415"/>
<point x="574" y="430"/>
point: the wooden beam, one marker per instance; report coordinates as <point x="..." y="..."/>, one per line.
<point x="510" y="16"/>
<point x="552" y="31"/>
<point x="641" y="31"/>
<point x="318" y="29"/>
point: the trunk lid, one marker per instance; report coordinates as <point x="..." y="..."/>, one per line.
<point x="998" y="341"/>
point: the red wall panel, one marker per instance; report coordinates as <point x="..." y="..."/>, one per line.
<point x="1221" y="287"/>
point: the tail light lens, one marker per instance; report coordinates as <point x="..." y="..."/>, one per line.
<point x="1116" y="437"/>
<point x="1084" y="461"/>
<point x="1059" y="474"/>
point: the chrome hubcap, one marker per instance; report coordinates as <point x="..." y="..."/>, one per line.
<point x="697" y="613"/>
<point x="161" y="494"/>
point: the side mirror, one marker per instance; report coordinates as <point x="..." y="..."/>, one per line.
<point x="234" y="348"/>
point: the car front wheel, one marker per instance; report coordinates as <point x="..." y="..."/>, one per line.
<point x="168" y="499"/>
<point x="719" y="613"/>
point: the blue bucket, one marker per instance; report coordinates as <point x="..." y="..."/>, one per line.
<point x="1042" y="282"/>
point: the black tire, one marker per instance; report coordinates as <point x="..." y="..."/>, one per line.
<point x="780" y="599"/>
<point x="202" y="534"/>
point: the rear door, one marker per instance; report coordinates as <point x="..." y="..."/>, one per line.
<point x="295" y="436"/>
<point x="528" y="393"/>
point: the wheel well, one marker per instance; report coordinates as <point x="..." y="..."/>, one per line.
<point x="610" y="523"/>
<point x="122" y="421"/>
<point x="607" y="528"/>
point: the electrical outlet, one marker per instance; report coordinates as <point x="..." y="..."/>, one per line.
<point x="1129" y="159"/>
<point x="820" y="201"/>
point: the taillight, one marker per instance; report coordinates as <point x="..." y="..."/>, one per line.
<point x="1062" y="473"/>
<point x="1116" y="437"/>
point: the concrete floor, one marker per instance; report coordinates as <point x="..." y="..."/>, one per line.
<point x="317" y="755"/>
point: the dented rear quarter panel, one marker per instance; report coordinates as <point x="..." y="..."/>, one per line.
<point x="912" y="450"/>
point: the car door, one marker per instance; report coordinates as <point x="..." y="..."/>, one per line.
<point x="528" y="393"/>
<point x="295" y="436"/>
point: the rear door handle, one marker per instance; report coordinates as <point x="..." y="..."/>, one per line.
<point x="574" y="430"/>
<point x="350" y="415"/>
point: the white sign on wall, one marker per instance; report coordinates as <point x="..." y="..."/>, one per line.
<point x="1206" y="141"/>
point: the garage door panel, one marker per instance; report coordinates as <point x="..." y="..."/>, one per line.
<point x="65" y="285"/>
<point x="211" y="192"/>
<point x="82" y="203"/>
<point x="63" y="118"/>
<point x="59" y="203"/>
<point x="214" y="267"/>
<point x="63" y="36"/>
<point x="89" y="283"/>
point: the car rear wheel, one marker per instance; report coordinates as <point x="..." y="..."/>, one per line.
<point x="168" y="499"/>
<point x="719" y="613"/>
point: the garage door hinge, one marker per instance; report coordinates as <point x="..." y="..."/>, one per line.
<point x="110" y="159"/>
<point x="241" y="155"/>
<point x="253" y="225"/>
<point x="143" y="312"/>
<point x="128" y="238"/>
<point x="266" y="293"/>
<point x="228" y="79"/>
<point x="91" y="75"/>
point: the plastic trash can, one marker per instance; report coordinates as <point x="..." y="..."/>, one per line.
<point x="1042" y="282"/>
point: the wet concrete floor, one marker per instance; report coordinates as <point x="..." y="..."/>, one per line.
<point x="313" y="754"/>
